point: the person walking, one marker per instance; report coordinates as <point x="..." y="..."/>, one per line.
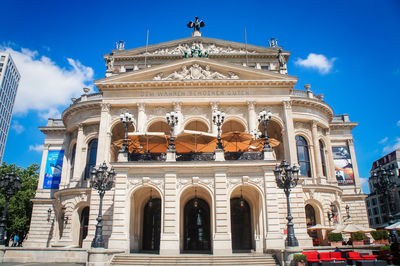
<point x="16" y="240"/>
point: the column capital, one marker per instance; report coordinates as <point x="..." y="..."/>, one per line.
<point x="177" y="106"/>
<point x="251" y="105"/>
<point x="314" y="123"/>
<point x="287" y="104"/>
<point x="80" y="127"/>
<point x="214" y="105"/>
<point x="141" y="106"/>
<point x="105" y="107"/>
<point x="350" y="142"/>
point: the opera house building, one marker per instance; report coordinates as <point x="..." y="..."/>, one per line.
<point x="196" y="131"/>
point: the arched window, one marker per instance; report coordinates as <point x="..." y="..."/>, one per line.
<point x="91" y="157"/>
<point x="160" y="126"/>
<point x="303" y="156"/>
<point x="72" y="162"/>
<point x="197" y="126"/>
<point x="232" y="126"/>
<point x="310" y="216"/>
<point x="323" y="161"/>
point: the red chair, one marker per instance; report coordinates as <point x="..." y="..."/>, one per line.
<point x="312" y="257"/>
<point x="337" y="256"/>
<point x="325" y="256"/>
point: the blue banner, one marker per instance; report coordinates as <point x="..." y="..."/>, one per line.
<point x="52" y="174"/>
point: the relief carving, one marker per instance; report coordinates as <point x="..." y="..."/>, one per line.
<point x="195" y="72"/>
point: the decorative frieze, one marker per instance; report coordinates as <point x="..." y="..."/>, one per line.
<point x="195" y="71"/>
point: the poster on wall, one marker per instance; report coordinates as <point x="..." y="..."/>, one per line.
<point x="343" y="165"/>
<point x="52" y="174"/>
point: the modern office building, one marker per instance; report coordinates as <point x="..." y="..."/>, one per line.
<point x="376" y="205"/>
<point x="9" y="80"/>
<point x="194" y="198"/>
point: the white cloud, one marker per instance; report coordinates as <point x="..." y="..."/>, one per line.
<point x="37" y="147"/>
<point x="317" y="61"/>
<point x="390" y="148"/>
<point x="45" y="86"/>
<point x="17" y="127"/>
<point x="364" y="184"/>
<point x="398" y="123"/>
<point x="384" y="140"/>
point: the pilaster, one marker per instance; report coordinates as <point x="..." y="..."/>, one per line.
<point x="65" y="167"/>
<point x="103" y="129"/>
<point x="178" y="109"/>
<point x="120" y="227"/>
<point x="169" y="242"/>
<point x="252" y="116"/>
<point x="357" y="183"/>
<point x="316" y="150"/>
<point x="331" y="165"/>
<point x="290" y="141"/>
<point x="80" y="159"/>
<point x="222" y="237"/>
<point x="273" y="238"/>
<point x="141" y="119"/>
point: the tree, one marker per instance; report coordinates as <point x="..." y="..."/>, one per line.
<point x="20" y="205"/>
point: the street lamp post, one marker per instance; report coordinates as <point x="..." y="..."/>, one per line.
<point x="172" y="120"/>
<point x="218" y="120"/>
<point x="102" y="180"/>
<point x="383" y="184"/>
<point x="286" y="178"/>
<point x="9" y="186"/>
<point x="126" y="119"/>
<point x="265" y="117"/>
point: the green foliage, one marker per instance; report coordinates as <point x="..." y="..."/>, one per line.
<point x="299" y="257"/>
<point x="335" y="237"/>
<point x="385" y="248"/>
<point x="357" y="236"/>
<point x="20" y="206"/>
<point x="380" y="235"/>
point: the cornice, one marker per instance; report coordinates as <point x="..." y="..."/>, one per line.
<point x="198" y="83"/>
<point x="319" y="104"/>
<point x="349" y="125"/>
<point x="322" y="188"/>
<point x="72" y="191"/>
<point x="96" y="104"/>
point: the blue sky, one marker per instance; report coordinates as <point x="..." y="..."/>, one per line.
<point x="349" y="52"/>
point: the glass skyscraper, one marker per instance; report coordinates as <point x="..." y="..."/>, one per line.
<point x="9" y="80"/>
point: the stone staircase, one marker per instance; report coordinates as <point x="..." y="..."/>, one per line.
<point x="194" y="259"/>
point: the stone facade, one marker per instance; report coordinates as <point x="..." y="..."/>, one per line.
<point x="150" y="84"/>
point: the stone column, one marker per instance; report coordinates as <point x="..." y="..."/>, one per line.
<point x="290" y="141"/>
<point x="120" y="226"/>
<point x="222" y="244"/>
<point x="357" y="183"/>
<point x="214" y="107"/>
<point x="169" y="242"/>
<point x="65" y="176"/>
<point x="103" y="129"/>
<point x="141" y="119"/>
<point x="316" y="148"/>
<point x="80" y="159"/>
<point x="252" y="116"/>
<point x="178" y="109"/>
<point x="330" y="163"/>
<point x="273" y="237"/>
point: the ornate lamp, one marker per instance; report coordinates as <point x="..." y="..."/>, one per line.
<point x="218" y="120"/>
<point x="265" y="117"/>
<point x="102" y="180"/>
<point x="286" y="178"/>
<point x="126" y="119"/>
<point x="9" y="186"/>
<point x="382" y="180"/>
<point x="172" y="120"/>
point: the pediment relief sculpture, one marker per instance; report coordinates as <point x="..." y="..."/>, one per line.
<point x="195" y="72"/>
<point x="209" y="48"/>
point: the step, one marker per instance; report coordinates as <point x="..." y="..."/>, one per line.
<point x="188" y="259"/>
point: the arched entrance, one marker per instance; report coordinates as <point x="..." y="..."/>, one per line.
<point x="152" y="225"/>
<point x="197" y="226"/>
<point x="241" y="225"/>
<point x="84" y="223"/>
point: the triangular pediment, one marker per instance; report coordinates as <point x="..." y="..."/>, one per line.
<point x="196" y="69"/>
<point x="182" y="46"/>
